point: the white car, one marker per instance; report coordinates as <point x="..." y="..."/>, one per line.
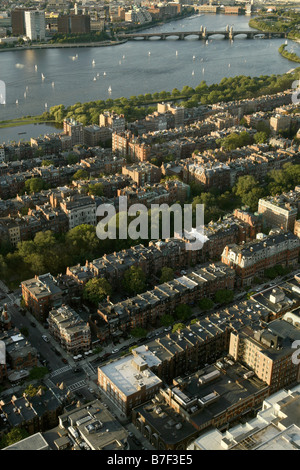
<point x="114" y="351"/>
<point x="45" y="338"/>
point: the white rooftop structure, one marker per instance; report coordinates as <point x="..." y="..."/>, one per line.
<point x="276" y="427"/>
<point x="131" y="373"/>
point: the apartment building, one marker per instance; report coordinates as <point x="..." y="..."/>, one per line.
<point x="280" y="211"/>
<point x="127" y="145"/>
<point x="94" y="135"/>
<point x="40" y="294"/>
<point x="68" y="328"/>
<point x="129" y="381"/>
<point x="142" y="173"/>
<point x="79" y="210"/>
<point x="34" y="414"/>
<point x="252" y="258"/>
<point x="113" y="121"/>
<point x="74" y="130"/>
<point x="280" y="122"/>
<point x="35" y="25"/>
<point x="73" y="24"/>
<point x="268" y="353"/>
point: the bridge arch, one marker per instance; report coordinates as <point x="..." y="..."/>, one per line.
<point x="191" y="36"/>
<point x="241" y="36"/>
<point x="216" y="35"/>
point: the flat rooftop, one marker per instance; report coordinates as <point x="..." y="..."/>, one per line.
<point x="35" y="442"/>
<point x="125" y="374"/>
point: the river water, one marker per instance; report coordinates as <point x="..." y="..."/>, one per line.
<point x="136" y="67"/>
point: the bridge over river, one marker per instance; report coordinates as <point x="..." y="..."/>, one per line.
<point x="203" y="33"/>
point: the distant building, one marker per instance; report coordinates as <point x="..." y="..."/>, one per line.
<point x="143" y="173"/>
<point x="112" y="120"/>
<point x="18" y="22"/>
<point x="35" y="25"/>
<point x="74" y="130"/>
<point x="280" y="122"/>
<point x="74" y="24"/>
<point x="94" y="135"/>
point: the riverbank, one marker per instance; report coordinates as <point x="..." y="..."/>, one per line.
<point x="64" y="46"/>
<point x="137" y="107"/>
<point x="288" y="55"/>
<point x="94" y="44"/>
<point x="271" y="24"/>
<point x="25" y="122"/>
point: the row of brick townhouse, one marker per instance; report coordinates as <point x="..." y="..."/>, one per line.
<point x="147" y="308"/>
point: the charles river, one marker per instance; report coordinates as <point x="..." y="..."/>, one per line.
<point x="136" y="67"/>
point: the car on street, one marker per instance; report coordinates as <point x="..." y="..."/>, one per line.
<point x="32" y="324"/>
<point x="115" y="351"/>
<point x="64" y="360"/>
<point x="45" y="338"/>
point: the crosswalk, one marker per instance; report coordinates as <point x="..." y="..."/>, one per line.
<point x="89" y="369"/>
<point x="77" y="386"/>
<point x="60" y="371"/>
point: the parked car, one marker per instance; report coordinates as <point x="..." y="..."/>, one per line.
<point x="64" y="360"/>
<point x="45" y="338"/>
<point x="32" y="324"/>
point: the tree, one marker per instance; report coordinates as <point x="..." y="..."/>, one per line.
<point x="251" y="199"/>
<point x="167" y="320"/>
<point x="96" y="189"/>
<point x="47" y="162"/>
<point x="15" y="435"/>
<point x="72" y="159"/>
<point x="96" y="290"/>
<point x="167" y="274"/>
<point x="138" y="332"/>
<point x="183" y="312"/>
<point x="81" y="175"/>
<point x="31" y="391"/>
<point x="38" y="373"/>
<point x="247" y="188"/>
<point x="205" y="304"/>
<point x="224" y="296"/>
<point x="178" y="326"/>
<point x="261" y="138"/>
<point x="34" y="185"/>
<point x="82" y="243"/>
<point x="134" y="280"/>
